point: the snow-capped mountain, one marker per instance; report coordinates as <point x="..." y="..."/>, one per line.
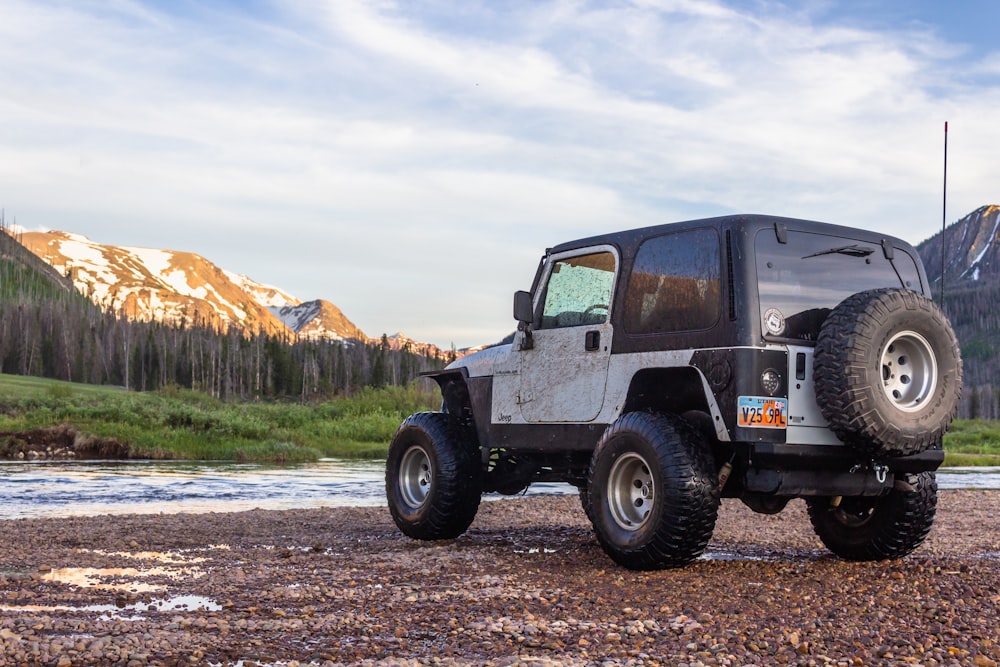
<point x="265" y="295"/>
<point x="174" y="286"/>
<point x="317" y="319"/>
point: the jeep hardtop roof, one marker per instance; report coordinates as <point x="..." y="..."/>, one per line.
<point x="627" y="241"/>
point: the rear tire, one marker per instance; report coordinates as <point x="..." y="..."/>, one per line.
<point x="651" y="492"/>
<point x="877" y="528"/>
<point x="431" y="478"/>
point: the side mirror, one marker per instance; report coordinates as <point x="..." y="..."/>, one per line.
<point x="524" y="312"/>
<point x="523" y="309"/>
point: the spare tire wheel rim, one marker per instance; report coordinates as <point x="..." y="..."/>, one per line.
<point x="909" y="371"/>
<point x="630" y="491"/>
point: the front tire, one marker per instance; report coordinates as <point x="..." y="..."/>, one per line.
<point x="877" y="528"/>
<point x="651" y="492"/>
<point x="431" y="478"/>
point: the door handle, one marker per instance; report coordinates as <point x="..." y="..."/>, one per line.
<point x="592" y="341"/>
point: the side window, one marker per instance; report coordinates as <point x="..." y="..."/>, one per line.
<point x="675" y="284"/>
<point x="579" y="291"/>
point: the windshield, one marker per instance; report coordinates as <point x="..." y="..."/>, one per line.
<point x="800" y="281"/>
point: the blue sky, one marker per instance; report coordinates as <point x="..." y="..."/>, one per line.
<point x="409" y="161"/>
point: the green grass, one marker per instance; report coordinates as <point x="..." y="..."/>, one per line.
<point x="180" y="424"/>
<point x="973" y="442"/>
<point x="21" y="386"/>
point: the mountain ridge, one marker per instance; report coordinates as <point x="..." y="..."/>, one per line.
<point x="149" y="284"/>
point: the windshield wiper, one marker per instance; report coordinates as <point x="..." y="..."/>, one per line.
<point x="851" y="250"/>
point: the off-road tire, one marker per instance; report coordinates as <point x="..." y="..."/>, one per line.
<point x="877" y="528"/>
<point x="651" y="491"/>
<point x="432" y="478"/>
<point x="888" y="372"/>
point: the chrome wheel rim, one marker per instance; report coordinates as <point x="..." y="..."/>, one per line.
<point x="630" y="491"/>
<point x="909" y="371"/>
<point x="416" y="477"/>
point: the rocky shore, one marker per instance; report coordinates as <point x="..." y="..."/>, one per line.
<point x="62" y="442"/>
<point x="527" y="584"/>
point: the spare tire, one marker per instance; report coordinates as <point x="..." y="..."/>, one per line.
<point x="888" y="372"/>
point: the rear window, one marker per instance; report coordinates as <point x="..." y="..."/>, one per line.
<point x="799" y="282"/>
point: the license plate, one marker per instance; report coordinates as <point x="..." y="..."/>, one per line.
<point x="762" y="412"/>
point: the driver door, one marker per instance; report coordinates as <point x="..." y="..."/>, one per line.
<point x="563" y="377"/>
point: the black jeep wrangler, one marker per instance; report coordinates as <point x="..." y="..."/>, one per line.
<point x="662" y="369"/>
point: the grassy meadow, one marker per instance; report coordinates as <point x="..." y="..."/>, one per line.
<point x="182" y="424"/>
<point x="973" y="442"/>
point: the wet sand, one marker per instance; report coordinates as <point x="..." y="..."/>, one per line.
<point x="527" y="584"/>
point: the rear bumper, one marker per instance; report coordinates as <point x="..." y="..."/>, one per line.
<point x="781" y="456"/>
<point x="827" y="470"/>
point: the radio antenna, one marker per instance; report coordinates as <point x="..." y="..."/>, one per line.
<point x="944" y="208"/>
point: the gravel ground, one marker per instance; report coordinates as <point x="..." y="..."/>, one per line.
<point x="527" y="584"/>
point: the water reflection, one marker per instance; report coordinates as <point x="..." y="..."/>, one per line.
<point x="61" y="488"/>
<point x="969" y="478"/>
<point x="110" y="578"/>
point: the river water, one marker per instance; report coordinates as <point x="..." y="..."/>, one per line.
<point x="68" y="488"/>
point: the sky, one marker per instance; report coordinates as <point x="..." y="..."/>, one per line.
<point x="410" y="161"/>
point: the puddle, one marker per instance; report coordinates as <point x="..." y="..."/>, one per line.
<point x="97" y="577"/>
<point x="128" y="612"/>
<point x="723" y="555"/>
<point x="171" y="565"/>
<point x="129" y="579"/>
<point x="161" y="556"/>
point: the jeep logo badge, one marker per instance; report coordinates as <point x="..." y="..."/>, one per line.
<point x="774" y="321"/>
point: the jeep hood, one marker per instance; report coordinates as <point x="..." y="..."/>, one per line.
<point x="482" y="363"/>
